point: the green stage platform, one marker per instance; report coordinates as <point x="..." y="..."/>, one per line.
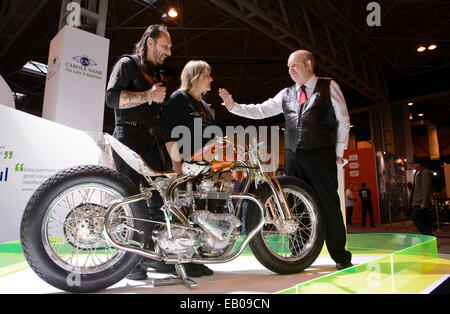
<point x="406" y="263"/>
<point x="385" y="264"/>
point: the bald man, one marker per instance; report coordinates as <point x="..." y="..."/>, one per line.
<point x="316" y="135"/>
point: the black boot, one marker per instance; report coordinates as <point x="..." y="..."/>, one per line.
<point x="158" y="266"/>
<point x="139" y="273"/>
<point x="193" y="270"/>
<point x="197" y="270"/>
<point x="206" y="270"/>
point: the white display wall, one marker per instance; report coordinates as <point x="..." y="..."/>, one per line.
<point x="31" y="150"/>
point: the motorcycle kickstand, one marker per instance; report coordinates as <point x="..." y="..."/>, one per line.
<point x="180" y="279"/>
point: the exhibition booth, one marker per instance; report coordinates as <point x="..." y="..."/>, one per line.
<point x="32" y="149"/>
<point x="38" y="148"/>
<point x="385" y="175"/>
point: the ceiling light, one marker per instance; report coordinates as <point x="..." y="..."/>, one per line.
<point x="172" y="13"/>
<point x="410" y="103"/>
<point x="421" y="49"/>
<point x="410" y="116"/>
<point x="34" y="67"/>
<point x="420" y="114"/>
<point x="351" y="125"/>
<point x="18" y="96"/>
<point x="432" y="47"/>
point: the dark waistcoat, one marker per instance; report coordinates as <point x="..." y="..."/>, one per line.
<point x="147" y="115"/>
<point x="316" y="125"/>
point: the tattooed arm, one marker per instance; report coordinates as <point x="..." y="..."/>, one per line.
<point x="118" y="95"/>
<point x="129" y="99"/>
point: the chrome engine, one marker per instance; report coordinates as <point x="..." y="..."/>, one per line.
<point x="218" y="229"/>
<point x="213" y="236"/>
<point x="184" y="241"/>
<point x="213" y="230"/>
<point x="220" y="226"/>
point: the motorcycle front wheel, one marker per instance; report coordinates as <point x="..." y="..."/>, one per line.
<point x="287" y="246"/>
<point x="62" y="225"/>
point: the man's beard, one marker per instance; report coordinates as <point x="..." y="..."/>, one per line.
<point x="158" y="58"/>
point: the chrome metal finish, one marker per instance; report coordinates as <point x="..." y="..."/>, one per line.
<point x="280" y="236"/>
<point x="285" y="209"/>
<point x="72" y="230"/>
<point x="246" y="241"/>
<point x="180" y="279"/>
<point x="174" y="259"/>
<point x="219" y="225"/>
<point x="173" y="184"/>
<point x="107" y="228"/>
<point x="280" y="208"/>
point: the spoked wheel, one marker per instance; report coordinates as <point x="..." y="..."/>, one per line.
<point x="77" y="242"/>
<point x="62" y="227"/>
<point x="289" y="245"/>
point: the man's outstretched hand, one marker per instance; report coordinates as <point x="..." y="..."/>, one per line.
<point x="227" y="98"/>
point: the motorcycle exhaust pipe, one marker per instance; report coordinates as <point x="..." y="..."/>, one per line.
<point x="175" y="260"/>
<point x="225" y="259"/>
<point x="107" y="229"/>
<point x="228" y="258"/>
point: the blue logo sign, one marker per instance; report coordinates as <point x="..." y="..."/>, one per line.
<point x="85" y="61"/>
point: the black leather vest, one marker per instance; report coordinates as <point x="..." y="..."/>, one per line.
<point x="149" y="116"/>
<point x="316" y="126"/>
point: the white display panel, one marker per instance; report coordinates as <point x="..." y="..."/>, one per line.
<point x="76" y="79"/>
<point x="31" y="150"/>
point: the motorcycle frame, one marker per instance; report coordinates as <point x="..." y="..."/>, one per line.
<point x="166" y="188"/>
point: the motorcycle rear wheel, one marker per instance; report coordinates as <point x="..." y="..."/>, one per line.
<point x="289" y="248"/>
<point x="61" y="229"/>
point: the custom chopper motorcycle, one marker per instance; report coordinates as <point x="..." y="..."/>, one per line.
<point x="87" y="227"/>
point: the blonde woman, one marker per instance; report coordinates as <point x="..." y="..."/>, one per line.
<point x="187" y="111"/>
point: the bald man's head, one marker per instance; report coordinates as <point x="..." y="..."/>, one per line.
<point x="301" y="66"/>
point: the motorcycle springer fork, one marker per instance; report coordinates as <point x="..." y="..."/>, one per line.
<point x="182" y="277"/>
<point x="281" y="212"/>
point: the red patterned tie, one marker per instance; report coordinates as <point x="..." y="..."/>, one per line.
<point x="302" y="97"/>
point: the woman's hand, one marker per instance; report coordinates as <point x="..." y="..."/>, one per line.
<point x="174" y="153"/>
<point x="176" y="167"/>
<point x="211" y="110"/>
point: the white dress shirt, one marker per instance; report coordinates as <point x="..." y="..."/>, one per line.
<point x="348" y="198"/>
<point x="273" y="106"/>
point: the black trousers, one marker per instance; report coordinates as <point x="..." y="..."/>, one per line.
<point x="318" y="168"/>
<point x="144" y="144"/>
<point x="421" y="219"/>
<point x="367" y="207"/>
<point x="349" y="215"/>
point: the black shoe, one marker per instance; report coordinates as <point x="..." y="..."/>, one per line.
<point x="206" y="270"/>
<point x="139" y="273"/>
<point x="193" y="270"/>
<point x="344" y="265"/>
<point x="158" y="266"/>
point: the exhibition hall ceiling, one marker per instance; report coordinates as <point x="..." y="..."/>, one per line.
<point x="373" y="57"/>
